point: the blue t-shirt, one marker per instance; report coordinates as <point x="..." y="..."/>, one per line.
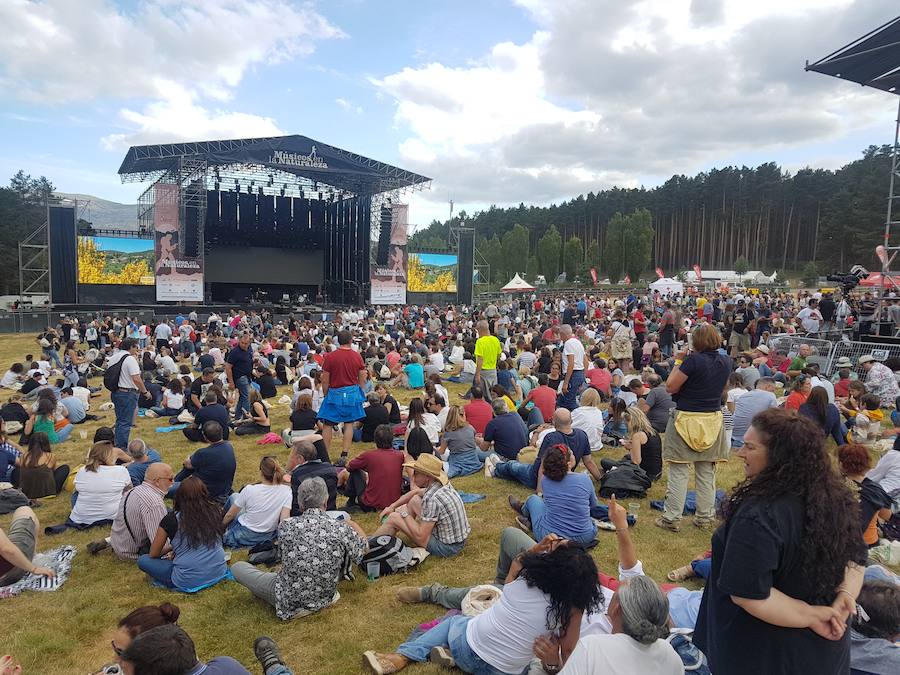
<point x="137" y="471"/>
<point x="509" y="434"/>
<point x="75" y="408"/>
<point x="215" y="466"/>
<point x="577" y="441"/>
<point x="506" y="379"/>
<point x="192" y="566"/>
<point x="568" y="506"/>
<point x="416" y="375"/>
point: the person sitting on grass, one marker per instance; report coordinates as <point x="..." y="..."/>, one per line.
<point x="252" y="515"/>
<point x="874" y="502"/>
<point x="43" y="421"/>
<point x="643" y="444"/>
<point x="214" y="465"/>
<point x="431" y="514"/>
<point x="258" y="421"/>
<point x="565" y="508"/>
<point x="420" y="419"/>
<point x="873" y="638"/>
<point x="38" y="474"/>
<point x="212" y="411"/>
<point x="309" y="459"/>
<point x="373" y="480"/>
<point x="303" y="419"/>
<point x="172" y="401"/>
<point x="192" y="533"/>
<point x="140" y="511"/>
<point x="141" y="458"/>
<point x="314" y="551"/>
<point x="99" y="484"/>
<point x="17" y="546"/>
<point x="168" y="649"/>
<point x="139" y="620"/>
<point x="506" y="434"/>
<point x="547" y="590"/>
<point x="458" y="447"/>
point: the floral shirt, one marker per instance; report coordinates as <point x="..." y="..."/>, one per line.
<point x="313" y="550"/>
<point x="881" y="382"/>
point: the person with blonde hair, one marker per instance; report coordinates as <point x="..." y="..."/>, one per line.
<point x="644" y="445"/>
<point x="253" y="514"/>
<point x="258" y="421"/>
<point x="589" y="417"/>
<point x="458" y="447"/>
<point x="100" y="484"/>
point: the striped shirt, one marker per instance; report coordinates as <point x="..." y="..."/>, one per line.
<point x="442" y="506"/>
<point x="145" y="511"/>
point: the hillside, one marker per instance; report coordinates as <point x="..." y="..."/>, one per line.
<point x="104" y="213"/>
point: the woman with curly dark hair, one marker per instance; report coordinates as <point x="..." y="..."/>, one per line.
<point x="193" y="534"/>
<point x="546" y="592"/>
<point x="786" y="563"/>
<point x="565" y="508"/>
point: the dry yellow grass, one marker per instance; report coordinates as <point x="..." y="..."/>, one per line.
<point x="69" y="631"/>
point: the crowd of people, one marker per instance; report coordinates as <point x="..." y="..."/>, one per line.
<point x="653" y="383"/>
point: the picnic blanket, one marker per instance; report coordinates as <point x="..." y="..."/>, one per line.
<point x="175" y="427"/>
<point x="57" y="559"/>
<point x="690" y="502"/>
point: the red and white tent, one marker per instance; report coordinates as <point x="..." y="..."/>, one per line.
<point x="517" y="285"/>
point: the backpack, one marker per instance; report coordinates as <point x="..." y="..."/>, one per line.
<point x="625" y="479"/>
<point x="111" y="376"/>
<point x="391" y="554"/>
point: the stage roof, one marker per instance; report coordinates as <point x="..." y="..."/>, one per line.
<point x="300" y="156"/>
<point x="871" y="61"/>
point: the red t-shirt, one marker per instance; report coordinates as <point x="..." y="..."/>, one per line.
<point x="640" y="322"/>
<point x="842" y="388"/>
<point x="385" y="469"/>
<point x="545" y="399"/>
<point x="599" y="379"/>
<point x="478" y="414"/>
<point x="343" y="366"/>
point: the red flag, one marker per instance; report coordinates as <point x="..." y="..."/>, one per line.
<point x="594" y="275"/>
<point x="697" y="272"/>
<point x="627" y="279"/>
<point x="659" y="272"/>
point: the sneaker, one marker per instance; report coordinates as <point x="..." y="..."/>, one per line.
<point x="440" y="656"/>
<point x="664" y="524"/>
<point x="604" y="525"/>
<point x="409" y="594"/>
<point x="266" y="651"/>
<point x="524" y="524"/>
<point x="383" y="664"/>
<point x="514" y="504"/>
<point x="149" y="413"/>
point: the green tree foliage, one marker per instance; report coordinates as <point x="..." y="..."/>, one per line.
<point x="548" y="254"/>
<point x="515" y="250"/>
<point x="22" y="210"/>
<point x="531" y="271"/>
<point x="741" y="266"/>
<point x="629" y="243"/>
<point x="592" y="256"/>
<point x="573" y="258"/>
<point x="809" y="273"/>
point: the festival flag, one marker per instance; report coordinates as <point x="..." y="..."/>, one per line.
<point x="627" y="279"/>
<point x="594" y="275"/>
<point x="659" y="272"/>
<point x="697" y="272"/>
<point x="881" y="252"/>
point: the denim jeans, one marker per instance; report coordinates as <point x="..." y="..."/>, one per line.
<point x="525" y="474"/>
<point x="243" y="387"/>
<point x="569" y="400"/>
<point x="125" y="403"/>
<point x="53" y="355"/>
<point x="438" y="548"/>
<point x="450" y="633"/>
<point x="64" y="433"/>
<point x="159" y="569"/>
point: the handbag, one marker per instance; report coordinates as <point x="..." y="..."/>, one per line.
<point x="69" y="485"/>
<point x="44" y="342"/>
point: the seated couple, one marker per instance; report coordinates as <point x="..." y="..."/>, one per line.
<point x="553" y="607"/>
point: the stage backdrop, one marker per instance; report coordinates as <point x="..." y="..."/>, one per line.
<point x="389" y="281"/>
<point x="178" y="277"/>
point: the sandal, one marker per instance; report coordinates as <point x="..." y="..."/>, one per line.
<point x="681" y="573"/>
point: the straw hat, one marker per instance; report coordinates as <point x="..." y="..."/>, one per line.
<point x="430" y="466"/>
<point x="844" y="362"/>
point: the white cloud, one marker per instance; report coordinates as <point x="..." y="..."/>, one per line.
<point x="58" y="50"/>
<point x="608" y="92"/>
<point x="349" y="106"/>
<point x="178" y="117"/>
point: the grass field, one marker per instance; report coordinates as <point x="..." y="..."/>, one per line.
<point x="69" y="631"/>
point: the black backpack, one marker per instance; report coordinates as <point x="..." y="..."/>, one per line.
<point x="625" y="479"/>
<point x="390" y="553"/>
<point x="111" y="376"/>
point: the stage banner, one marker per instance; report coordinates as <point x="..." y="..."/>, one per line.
<point x="389" y="281"/>
<point x="594" y="275"/>
<point x="178" y="277"/>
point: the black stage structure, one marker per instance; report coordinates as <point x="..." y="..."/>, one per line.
<point x="270" y="217"/>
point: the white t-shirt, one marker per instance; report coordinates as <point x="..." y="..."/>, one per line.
<point x="735" y="394"/>
<point x="389" y="319"/>
<point x="129" y="367"/>
<point x="436" y="359"/>
<point x="174" y="400"/>
<point x="9" y="379"/>
<point x="83" y="394"/>
<point x="810" y="319"/>
<point x="167" y="365"/>
<point x="620" y="654"/>
<point x="590" y="420"/>
<point x="261" y="506"/>
<point x="99" y="493"/>
<point x="573" y="346"/>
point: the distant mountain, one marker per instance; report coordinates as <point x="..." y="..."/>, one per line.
<point x="104" y="213"/>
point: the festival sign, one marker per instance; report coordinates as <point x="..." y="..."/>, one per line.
<point x="178" y="277"/>
<point x="388" y="282"/>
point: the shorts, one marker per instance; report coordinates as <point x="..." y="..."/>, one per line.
<point x="739" y="340"/>
<point x="22" y="534"/>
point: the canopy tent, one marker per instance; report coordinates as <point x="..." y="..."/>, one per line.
<point x="667" y="286"/>
<point x="517" y="285"/>
<point x="871" y="61"/>
<point x="874" y="279"/>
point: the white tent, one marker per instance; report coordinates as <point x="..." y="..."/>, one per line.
<point x="517" y="285"/>
<point x="667" y="286"/>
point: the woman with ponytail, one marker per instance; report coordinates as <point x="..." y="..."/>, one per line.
<point x="252" y="515"/>
<point x="140" y="620"/>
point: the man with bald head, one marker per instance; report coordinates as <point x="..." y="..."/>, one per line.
<point x="140" y="510"/>
<point x="563" y="434"/>
<point x="573" y="362"/>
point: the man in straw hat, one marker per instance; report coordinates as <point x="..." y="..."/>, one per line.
<point x="431" y="514"/>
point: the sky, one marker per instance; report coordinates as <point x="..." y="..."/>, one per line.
<point x="499" y="101"/>
<point x="124" y="245"/>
